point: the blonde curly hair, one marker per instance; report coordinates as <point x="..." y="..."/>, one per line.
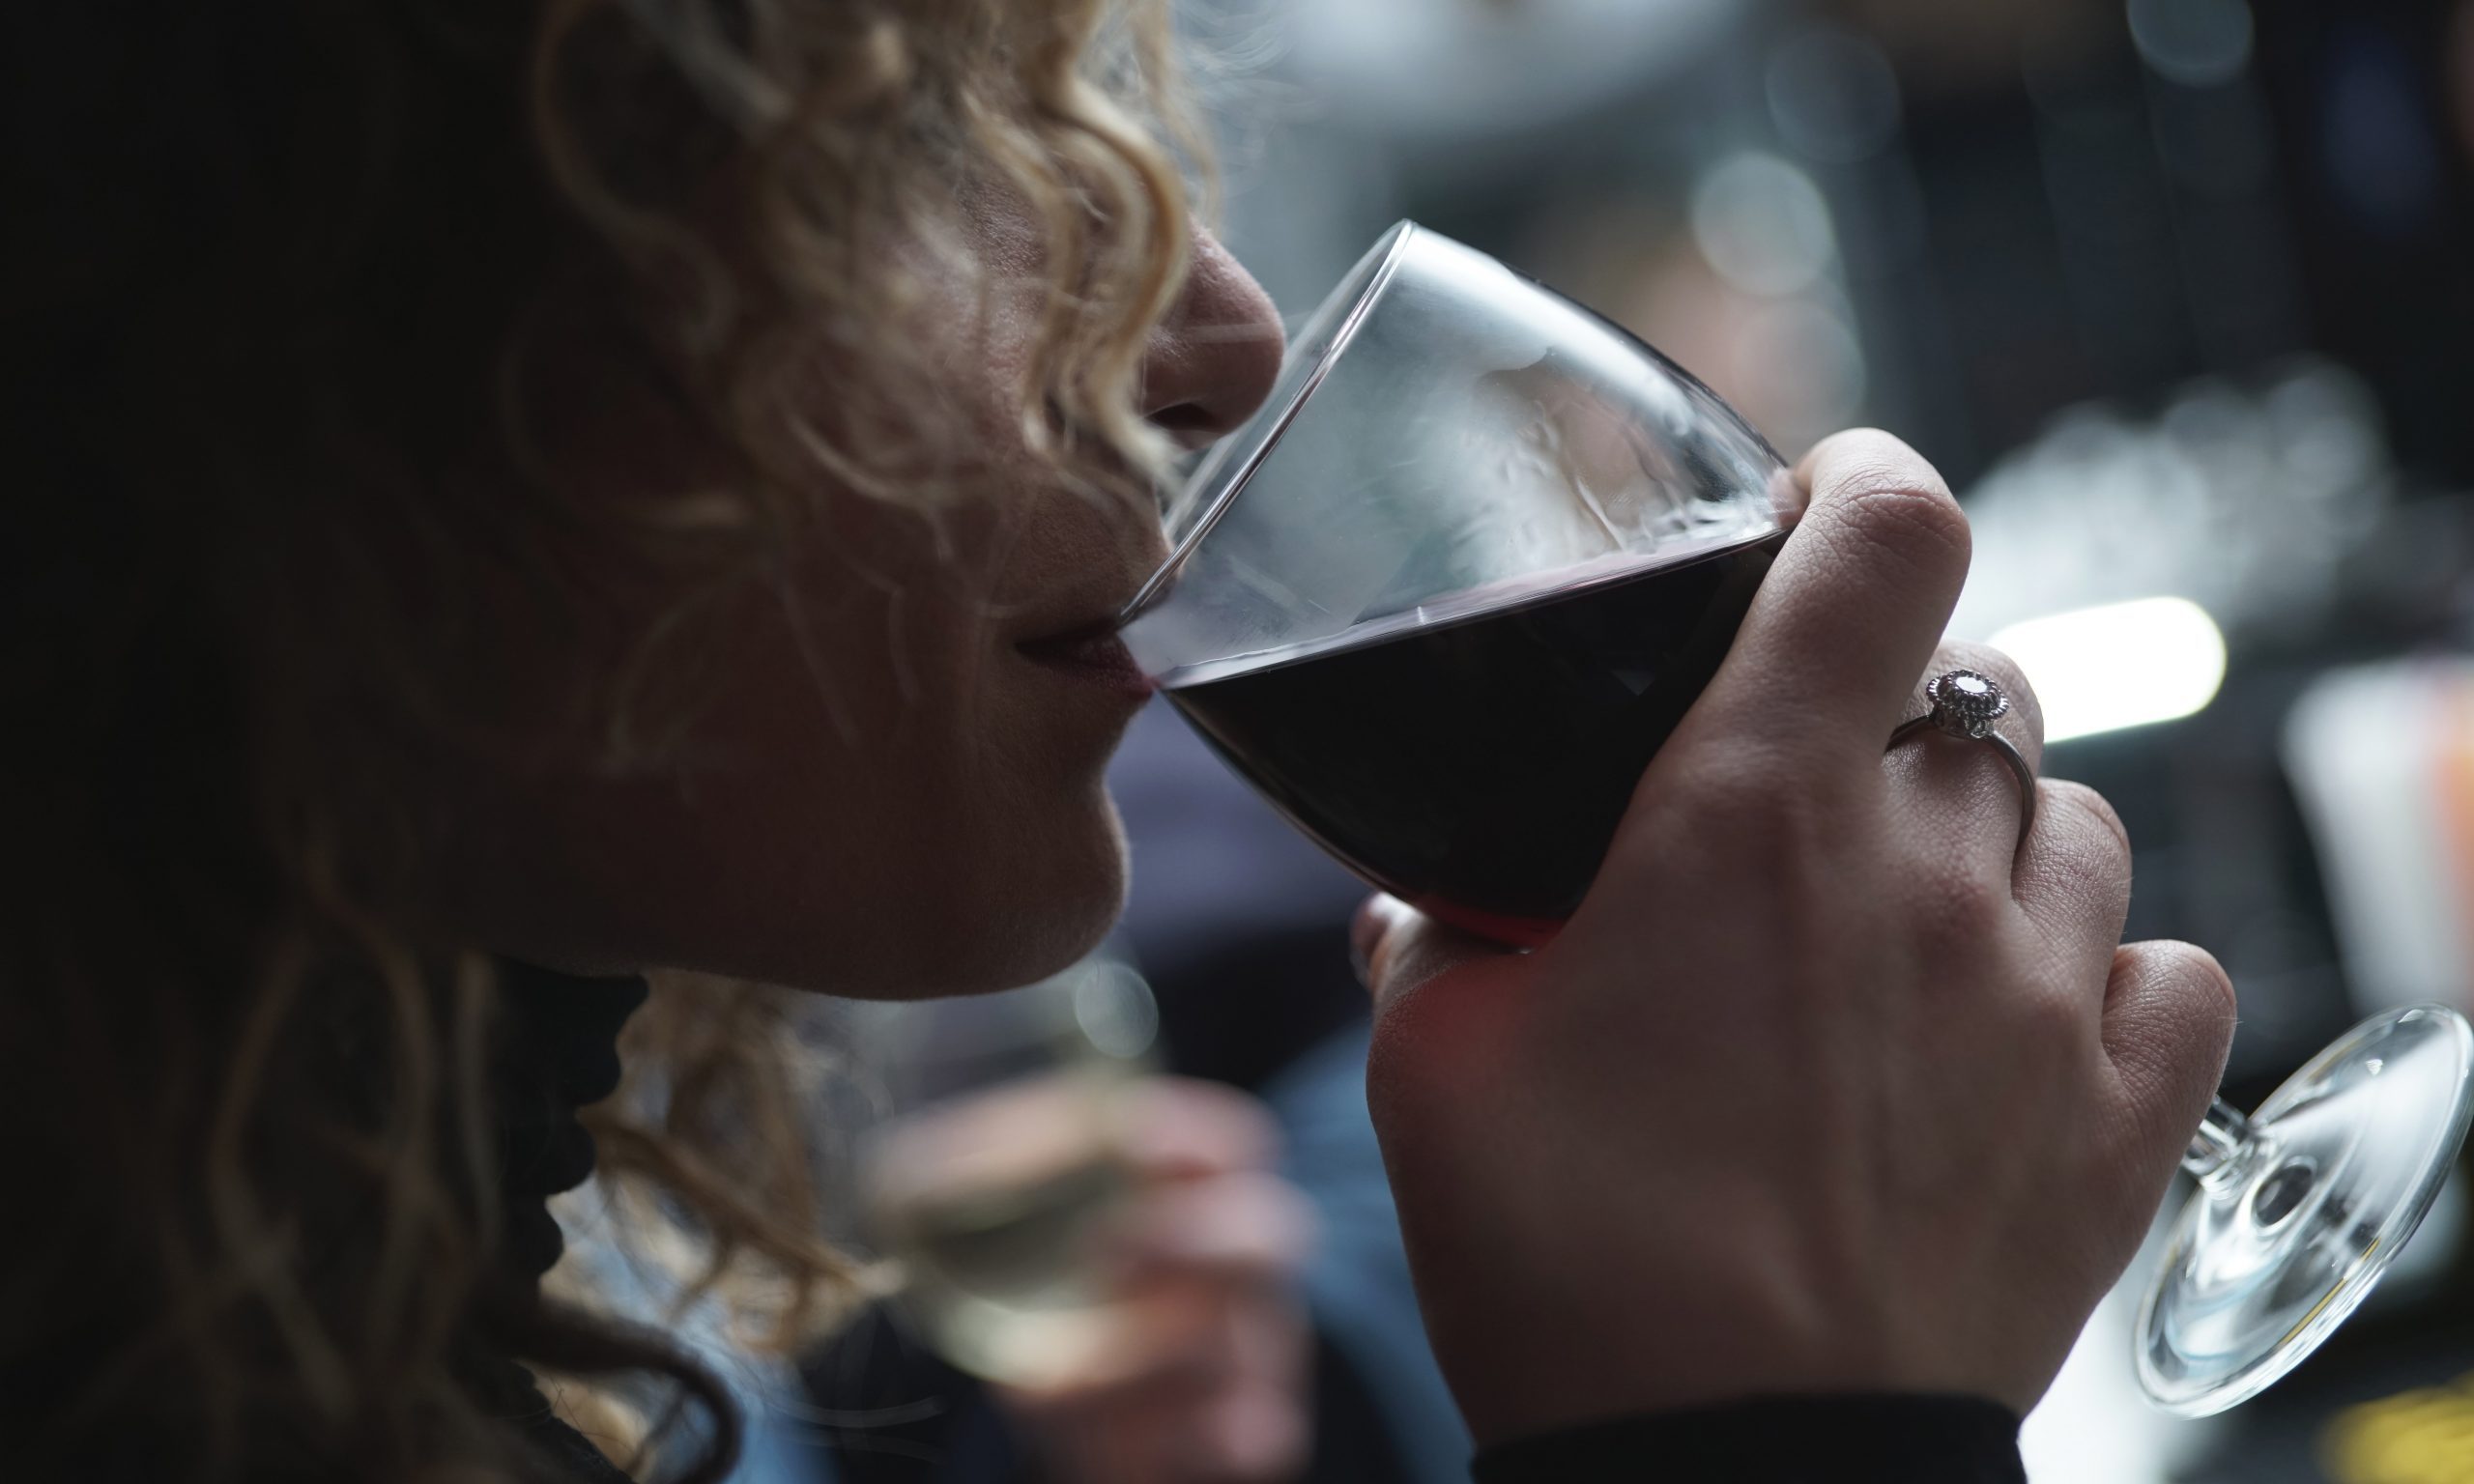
<point x="310" y="304"/>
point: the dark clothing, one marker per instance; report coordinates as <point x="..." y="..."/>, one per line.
<point x="921" y="1422"/>
<point x="942" y="1429"/>
<point x="1887" y="1438"/>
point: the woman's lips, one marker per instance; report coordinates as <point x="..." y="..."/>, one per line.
<point x="1093" y="654"/>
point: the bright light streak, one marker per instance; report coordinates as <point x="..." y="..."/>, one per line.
<point x="2122" y="664"/>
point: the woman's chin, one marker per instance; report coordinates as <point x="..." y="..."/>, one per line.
<point x="1017" y="918"/>
<point x="909" y="897"/>
<point x="1035" y="925"/>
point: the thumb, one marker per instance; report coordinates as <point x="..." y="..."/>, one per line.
<point x="1398" y="948"/>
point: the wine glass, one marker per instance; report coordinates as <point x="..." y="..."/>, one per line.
<point x="998" y="1167"/>
<point x="2301" y="1206"/>
<point x="1462" y="485"/>
<point x="1444" y="597"/>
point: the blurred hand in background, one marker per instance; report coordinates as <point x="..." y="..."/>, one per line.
<point x="1212" y="1384"/>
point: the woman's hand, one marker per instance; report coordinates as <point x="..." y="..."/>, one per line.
<point x="1821" y="1090"/>
<point x="1215" y="1386"/>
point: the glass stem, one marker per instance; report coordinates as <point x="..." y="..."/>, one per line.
<point x="2220" y="1151"/>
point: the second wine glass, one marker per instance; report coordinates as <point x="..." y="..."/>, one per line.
<point x="999" y="1166"/>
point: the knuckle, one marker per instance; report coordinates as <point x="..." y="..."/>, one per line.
<point x="1888" y="507"/>
<point x="2174" y="1032"/>
<point x="1961" y="912"/>
<point x="2066" y="799"/>
<point x="1742" y="821"/>
<point x="2206" y="992"/>
<point x="1854" y="456"/>
<point x="2080" y="852"/>
<point x="1720" y="798"/>
<point x="2053" y="1013"/>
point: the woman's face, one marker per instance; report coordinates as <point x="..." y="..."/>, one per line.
<point x="899" y="789"/>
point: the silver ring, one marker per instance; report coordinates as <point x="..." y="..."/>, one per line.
<point x="1966" y="703"/>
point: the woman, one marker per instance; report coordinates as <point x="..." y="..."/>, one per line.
<point x="626" y="486"/>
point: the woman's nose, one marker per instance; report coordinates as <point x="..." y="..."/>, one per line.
<point x="1214" y="360"/>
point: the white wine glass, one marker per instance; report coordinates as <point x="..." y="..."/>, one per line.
<point x="998" y="1165"/>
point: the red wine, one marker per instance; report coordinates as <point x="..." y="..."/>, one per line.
<point x="1473" y="757"/>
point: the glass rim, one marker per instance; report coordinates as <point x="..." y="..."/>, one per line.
<point x="1378" y="267"/>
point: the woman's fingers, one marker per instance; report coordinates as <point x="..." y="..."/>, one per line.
<point x="1226" y="1404"/>
<point x="1960" y="803"/>
<point x="1183" y="1127"/>
<point x="1237" y="1229"/>
<point x="2073" y="878"/>
<point x="1959" y="796"/>
<point x="2168" y="1022"/>
<point x="1850" y="615"/>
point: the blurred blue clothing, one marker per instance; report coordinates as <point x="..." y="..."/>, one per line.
<point x="1358" y="1285"/>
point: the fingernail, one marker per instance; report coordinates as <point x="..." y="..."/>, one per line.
<point x="1787" y="498"/>
<point x="1365" y="931"/>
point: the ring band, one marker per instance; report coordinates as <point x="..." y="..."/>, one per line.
<point x="1966" y="704"/>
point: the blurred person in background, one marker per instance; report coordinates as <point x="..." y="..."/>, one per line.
<point x="633" y="488"/>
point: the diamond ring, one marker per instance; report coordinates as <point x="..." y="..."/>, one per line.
<point x="1966" y="703"/>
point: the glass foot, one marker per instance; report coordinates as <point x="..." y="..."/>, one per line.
<point x="2292" y="1226"/>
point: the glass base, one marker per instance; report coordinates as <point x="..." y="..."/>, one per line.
<point x="2282" y="1241"/>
